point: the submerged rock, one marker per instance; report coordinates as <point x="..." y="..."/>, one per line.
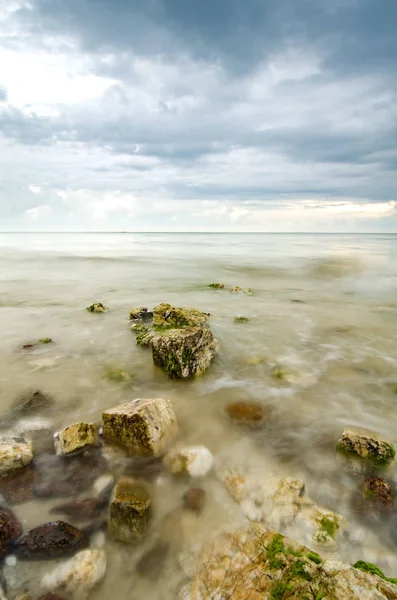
<point x="216" y="286"/>
<point x="249" y="414"/>
<point x="32" y="403"/>
<point x="254" y="563"/>
<point x="130" y="511"/>
<point x="49" y="541"/>
<point x="10" y="528"/>
<point x="240" y="319"/>
<point x="15" y="453"/>
<point x="181" y="340"/>
<point x="75" y="438"/>
<point x="195" y="461"/>
<point x="78" y="575"/>
<point x="194" y="499"/>
<point x="96" y="307"/>
<point x="17" y="486"/>
<point x="146" y="426"/>
<point x="374" y="499"/>
<point x="152" y="562"/>
<point x="365" y="446"/>
<point x="81" y="510"/>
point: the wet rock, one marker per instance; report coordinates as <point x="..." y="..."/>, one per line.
<point x="141" y="315"/>
<point x="96" y="307"/>
<point x="15" y="453"/>
<point x="130" y="512"/>
<point x="374" y="499"/>
<point x="152" y="562"/>
<point x="49" y="541"/>
<point x="181" y="340"/>
<point x="364" y="446"/>
<point x="144" y="425"/>
<point x="254" y="563"/>
<point x="194" y="499"/>
<point x="250" y="414"/>
<point x="239" y="319"/>
<point x="75" y="438"/>
<point x="216" y="286"/>
<point x="78" y="575"/>
<point x="10" y="528"/>
<point x="195" y="461"/>
<point x="32" y="403"/>
<point x="81" y="510"/>
<point x="17" y="487"/>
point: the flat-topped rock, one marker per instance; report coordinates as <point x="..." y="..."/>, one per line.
<point x="75" y="438"/>
<point x="146" y="426"/>
<point x="130" y="511"/>
<point x="15" y="453"/>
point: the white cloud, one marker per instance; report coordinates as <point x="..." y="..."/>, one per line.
<point x="35" y="189"/>
<point x="38" y="212"/>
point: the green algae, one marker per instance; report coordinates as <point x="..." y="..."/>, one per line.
<point x="46" y="340"/>
<point x="314" y="557"/>
<point x="118" y="375"/>
<point x="366" y="567"/>
<point x="330" y="525"/>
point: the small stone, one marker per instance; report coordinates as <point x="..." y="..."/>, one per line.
<point x="239" y="319"/>
<point x="130" y="512"/>
<point x="78" y="575"/>
<point x="152" y="562"/>
<point x="250" y="414"/>
<point x="75" y="438"/>
<point x="216" y="286"/>
<point x="11" y="561"/>
<point x="195" y="461"/>
<point x="145" y="425"/>
<point x="194" y="499"/>
<point x="49" y="541"/>
<point x="365" y="446"/>
<point x="96" y="307"/>
<point x="15" y="453"/>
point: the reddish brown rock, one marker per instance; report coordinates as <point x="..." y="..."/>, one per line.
<point x="194" y="499"/>
<point x="49" y="541"/>
<point x="17" y="486"/>
<point x="10" y="528"/>
<point x="81" y="510"/>
<point x="374" y="499"/>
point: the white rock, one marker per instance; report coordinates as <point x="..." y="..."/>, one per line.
<point x="79" y="574"/>
<point x="11" y="561"/>
<point x="14" y="454"/>
<point x="195" y="461"/>
<point x="103" y="484"/>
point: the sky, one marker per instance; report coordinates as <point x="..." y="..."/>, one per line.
<point x="179" y="115"/>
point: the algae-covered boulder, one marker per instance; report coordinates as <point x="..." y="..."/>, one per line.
<point x="181" y="340"/>
<point x="129" y="512"/>
<point x="76" y="437"/>
<point x="254" y="563"/>
<point x="96" y="307"/>
<point x="146" y="426"/>
<point x="15" y="453"/>
<point x="365" y="446"/>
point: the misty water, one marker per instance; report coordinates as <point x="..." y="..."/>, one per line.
<point x="323" y="307"/>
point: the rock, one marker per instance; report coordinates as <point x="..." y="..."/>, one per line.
<point x="254" y="563"/>
<point x="194" y="499"/>
<point x="281" y="503"/>
<point x="38" y="430"/>
<point x="145" y="425"/>
<point x="103" y="486"/>
<point x="75" y="438"/>
<point x="195" y="461"/>
<point x="374" y="499"/>
<point x="374" y="570"/>
<point x="15" y="453"/>
<point x="10" y="528"/>
<point x="239" y="319"/>
<point x="216" y="286"/>
<point x="96" y="307"/>
<point x="78" y="575"/>
<point x="250" y="414"/>
<point x="17" y="486"/>
<point x="130" y="511"/>
<point x="141" y="315"/>
<point x="152" y="562"/>
<point x="81" y="510"/>
<point x="31" y="403"/>
<point x="49" y="541"/>
<point x="181" y="340"/>
<point x="45" y="340"/>
<point x="365" y="446"/>
<point x="51" y="596"/>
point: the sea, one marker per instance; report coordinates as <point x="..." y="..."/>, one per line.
<point x="322" y="308"/>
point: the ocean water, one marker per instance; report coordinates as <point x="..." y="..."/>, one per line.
<point x="324" y="307"/>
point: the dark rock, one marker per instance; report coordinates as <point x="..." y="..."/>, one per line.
<point x="296" y="301"/>
<point x="152" y="562"/>
<point x="17" y="486"/>
<point x="194" y="499"/>
<point x="32" y="403"/>
<point x="81" y="510"/>
<point x="375" y="499"/>
<point x="249" y="414"/>
<point x="10" y="528"/>
<point x="49" y="541"/>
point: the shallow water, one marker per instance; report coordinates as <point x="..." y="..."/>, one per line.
<point x="339" y="342"/>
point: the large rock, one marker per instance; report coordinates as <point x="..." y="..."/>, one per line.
<point x="49" y="541"/>
<point x="75" y="438"/>
<point x="365" y="446"/>
<point x="254" y="563"/>
<point x="129" y="512"/>
<point x="195" y="461"/>
<point x="281" y="504"/>
<point x="146" y="426"/>
<point x="14" y="454"/>
<point x="78" y="575"/>
<point x="181" y="340"/>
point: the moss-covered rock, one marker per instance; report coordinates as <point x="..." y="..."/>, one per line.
<point x="141" y="315"/>
<point x="96" y="307"/>
<point x="373" y="570"/>
<point x="46" y="340"/>
<point x="254" y="563"/>
<point x="146" y="426"/>
<point x="366" y="447"/>
<point x="130" y="512"/>
<point x="181" y="340"/>
<point x="216" y="286"/>
<point x="15" y="453"/>
<point x="239" y="319"/>
<point x="75" y="438"/>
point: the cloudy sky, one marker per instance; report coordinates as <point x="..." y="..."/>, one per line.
<point x="229" y="115"/>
